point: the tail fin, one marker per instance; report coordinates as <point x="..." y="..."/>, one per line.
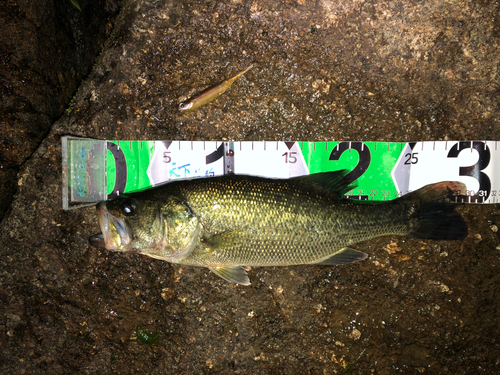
<point x="435" y="216"/>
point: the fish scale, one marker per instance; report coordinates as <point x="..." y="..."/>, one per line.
<point x="291" y="239"/>
<point x="231" y="222"/>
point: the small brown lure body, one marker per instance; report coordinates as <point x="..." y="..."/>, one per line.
<point x="211" y="94"/>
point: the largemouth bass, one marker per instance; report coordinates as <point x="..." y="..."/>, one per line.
<point x="211" y="94"/>
<point x="233" y="222"/>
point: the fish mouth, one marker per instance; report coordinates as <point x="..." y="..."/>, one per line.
<point x="115" y="234"/>
<point x="97" y="240"/>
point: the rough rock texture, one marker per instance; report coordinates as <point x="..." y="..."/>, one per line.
<point x="46" y="49"/>
<point x="343" y="70"/>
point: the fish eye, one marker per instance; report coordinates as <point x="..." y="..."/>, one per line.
<point x="129" y="207"/>
<point x="182" y="105"/>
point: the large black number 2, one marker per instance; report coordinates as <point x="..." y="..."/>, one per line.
<point x="364" y="158"/>
<point x="475" y="170"/>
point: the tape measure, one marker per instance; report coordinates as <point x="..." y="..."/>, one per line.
<point x="95" y="170"/>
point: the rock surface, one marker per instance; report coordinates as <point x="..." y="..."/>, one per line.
<point x="329" y="70"/>
<point x="46" y="49"/>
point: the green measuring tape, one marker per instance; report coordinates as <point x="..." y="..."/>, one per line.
<point x="95" y="170"/>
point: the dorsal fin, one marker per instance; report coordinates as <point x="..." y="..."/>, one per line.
<point x="334" y="181"/>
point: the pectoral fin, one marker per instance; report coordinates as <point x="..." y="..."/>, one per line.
<point x="236" y="274"/>
<point x="225" y="240"/>
<point x="343" y="256"/>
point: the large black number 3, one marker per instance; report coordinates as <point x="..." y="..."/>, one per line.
<point x="364" y="158"/>
<point x="475" y="170"/>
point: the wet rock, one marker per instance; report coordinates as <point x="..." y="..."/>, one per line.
<point x="330" y="70"/>
<point x="46" y="49"/>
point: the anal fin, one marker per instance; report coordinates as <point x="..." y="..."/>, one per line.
<point x="343" y="256"/>
<point x="236" y="274"/>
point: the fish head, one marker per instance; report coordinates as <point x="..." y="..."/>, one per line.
<point x="127" y="224"/>
<point x="163" y="230"/>
<point x="184" y="106"/>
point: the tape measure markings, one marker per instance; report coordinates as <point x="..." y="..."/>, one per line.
<point x="94" y="170"/>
